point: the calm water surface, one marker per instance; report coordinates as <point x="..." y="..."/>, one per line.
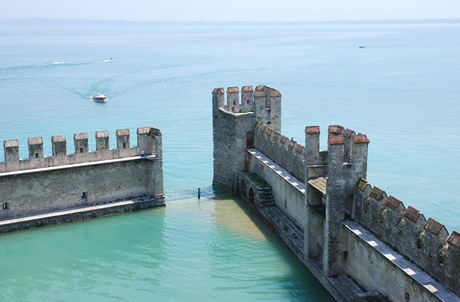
<point x="207" y="250"/>
<point x="402" y="90"/>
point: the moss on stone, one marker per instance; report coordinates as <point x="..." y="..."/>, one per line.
<point x="258" y="180"/>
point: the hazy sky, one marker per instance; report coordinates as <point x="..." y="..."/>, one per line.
<point x="235" y="10"/>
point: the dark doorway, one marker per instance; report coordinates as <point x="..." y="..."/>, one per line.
<point x="349" y="200"/>
<point x="250" y="140"/>
<point x="251" y="195"/>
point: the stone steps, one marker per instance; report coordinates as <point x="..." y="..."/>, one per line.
<point x="266" y="197"/>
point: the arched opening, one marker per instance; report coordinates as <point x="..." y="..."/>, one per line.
<point x="349" y="201"/>
<point x="251" y="195"/>
<point x="407" y="297"/>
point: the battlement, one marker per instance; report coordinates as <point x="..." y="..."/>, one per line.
<point x="344" y="147"/>
<point x="287" y="153"/>
<point x="233" y="103"/>
<point x="148" y="141"/>
<point x="340" y="140"/>
<point x="264" y="103"/>
<point x="427" y="243"/>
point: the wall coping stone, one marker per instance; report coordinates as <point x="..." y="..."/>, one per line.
<point x="93" y="163"/>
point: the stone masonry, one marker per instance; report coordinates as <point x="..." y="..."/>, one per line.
<point x="46" y="184"/>
<point x="335" y="208"/>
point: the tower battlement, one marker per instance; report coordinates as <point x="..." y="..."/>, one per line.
<point x="264" y="103"/>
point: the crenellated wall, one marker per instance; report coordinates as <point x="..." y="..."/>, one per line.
<point x="82" y="154"/>
<point x="286" y="153"/>
<point x="41" y="184"/>
<point x="425" y="242"/>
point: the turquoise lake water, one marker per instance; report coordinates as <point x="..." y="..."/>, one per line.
<point x="402" y="90"/>
<point x="207" y="250"/>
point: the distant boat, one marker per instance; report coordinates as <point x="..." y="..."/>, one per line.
<point x="362" y="46"/>
<point x="99" y="97"/>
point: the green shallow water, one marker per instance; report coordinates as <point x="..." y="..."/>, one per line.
<point x="190" y="250"/>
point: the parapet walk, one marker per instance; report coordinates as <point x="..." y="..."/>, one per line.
<point x="82" y="154"/>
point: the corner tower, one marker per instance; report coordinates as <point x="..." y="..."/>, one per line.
<point x="234" y="122"/>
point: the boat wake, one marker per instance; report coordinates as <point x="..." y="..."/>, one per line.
<point x="55" y="63"/>
<point x="48" y="65"/>
<point x="105" y="61"/>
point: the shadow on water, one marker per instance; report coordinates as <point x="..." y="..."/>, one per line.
<point x="245" y="256"/>
<point x="288" y="275"/>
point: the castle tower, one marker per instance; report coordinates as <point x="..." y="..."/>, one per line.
<point x="234" y="125"/>
<point x="346" y="165"/>
<point x="331" y="178"/>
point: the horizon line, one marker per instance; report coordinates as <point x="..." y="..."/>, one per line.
<point x="443" y="20"/>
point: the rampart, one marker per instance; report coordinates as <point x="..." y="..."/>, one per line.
<point x="349" y="228"/>
<point x="46" y="184"/>
<point x="426" y="243"/>
<point x="284" y="151"/>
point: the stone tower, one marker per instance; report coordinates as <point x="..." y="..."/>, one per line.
<point x="338" y="170"/>
<point x="234" y="122"/>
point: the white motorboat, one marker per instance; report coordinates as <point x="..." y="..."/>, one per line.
<point x="99" y="97"/>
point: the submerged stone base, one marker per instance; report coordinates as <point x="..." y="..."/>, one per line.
<point x="79" y="214"/>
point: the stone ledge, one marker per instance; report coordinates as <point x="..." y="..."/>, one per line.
<point x="93" y="163"/>
<point x="78" y="214"/>
<point x="288" y="177"/>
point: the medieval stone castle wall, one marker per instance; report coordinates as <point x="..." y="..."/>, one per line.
<point x="43" y="184"/>
<point x="335" y="201"/>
